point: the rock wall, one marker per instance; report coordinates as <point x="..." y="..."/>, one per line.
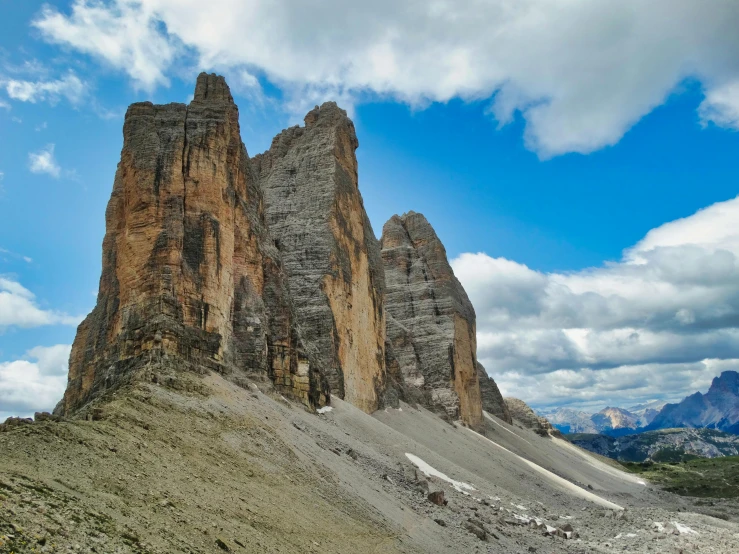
<point x="331" y="257"/>
<point x="430" y="322"/>
<point x="521" y="412"/>
<point x="492" y="400"/>
<point x="191" y="278"/>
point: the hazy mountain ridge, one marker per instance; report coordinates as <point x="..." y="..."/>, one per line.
<point x="717" y="409"/>
<point x="665" y="445"/>
<point x="610" y="420"/>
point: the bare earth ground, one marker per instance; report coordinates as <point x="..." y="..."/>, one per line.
<point x="232" y="469"/>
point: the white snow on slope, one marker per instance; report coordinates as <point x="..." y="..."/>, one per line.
<point x="429" y="471"/>
<point x="684" y="529"/>
<point x="324" y="410"/>
<point x="595" y="462"/>
<point x="556" y="479"/>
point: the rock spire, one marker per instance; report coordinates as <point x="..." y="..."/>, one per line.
<point x="430" y="322"/>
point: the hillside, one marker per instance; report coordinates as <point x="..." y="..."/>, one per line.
<point x="204" y="465"/>
<point x="707" y="478"/>
<point x="668" y="445"/>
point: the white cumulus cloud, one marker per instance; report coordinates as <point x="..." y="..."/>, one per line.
<point x="670" y="305"/>
<point x="34" y="383"/>
<point x="18" y="308"/>
<point x="43" y="161"/>
<point x="580" y="72"/>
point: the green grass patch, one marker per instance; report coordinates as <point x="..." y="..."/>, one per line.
<point x="700" y="477"/>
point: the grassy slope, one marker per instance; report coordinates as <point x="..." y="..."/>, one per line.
<point x="709" y="478"/>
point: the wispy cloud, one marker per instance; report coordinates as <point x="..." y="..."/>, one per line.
<point x="12" y="255"/>
<point x="721" y="106"/>
<point x="43" y="161"/>
<point x="70" y="87"/>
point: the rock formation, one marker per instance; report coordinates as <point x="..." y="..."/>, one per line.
<point x="331" y="257"/>
<point x="191" y="278"/>
<point x="430" y="322"/>
<point x="523" y="414"/>
<point x="492" y="400"/>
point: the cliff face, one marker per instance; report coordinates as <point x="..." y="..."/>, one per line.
<point x="190" y="276"/>
<point x="492" y="400"/>
<point x="430" y="322"/>
<point x="331" y="257"/>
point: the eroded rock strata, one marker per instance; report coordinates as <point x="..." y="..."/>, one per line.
<point x="430" y="322"/>
<point x="331" y="257"/>
<point x="523" y="414"/>
<point x="492" y="401"/>
<point x="191" y="278"/>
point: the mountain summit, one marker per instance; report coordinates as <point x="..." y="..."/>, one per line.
<point x="268" y="269"/>
<point x="717" y="409"/>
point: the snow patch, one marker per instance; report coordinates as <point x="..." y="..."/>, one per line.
<point x="556" y="479"/>
<point x="324" y="410"/>
<point x="684" y="529"/>
<point x="429" y="471"/>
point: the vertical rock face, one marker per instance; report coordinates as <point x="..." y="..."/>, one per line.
<point x="190" y="276"/>
<point x="430" y="322"/>
<point x="330" y="254"/>
<point x="492" y="400"/>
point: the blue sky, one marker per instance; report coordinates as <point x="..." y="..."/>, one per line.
<point x="539" y="173"/>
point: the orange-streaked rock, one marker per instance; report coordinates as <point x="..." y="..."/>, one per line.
<point x="191" y="278"/>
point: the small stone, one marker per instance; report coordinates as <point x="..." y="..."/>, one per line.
<point x="441" y="522"/>
<point x="220" y="543"/>
<point x="477" y="531"/>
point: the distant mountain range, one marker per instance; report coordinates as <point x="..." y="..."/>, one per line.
<point x="716" y="409"/>
<point x="665" y="445"/>
<point x="609" y="421"/>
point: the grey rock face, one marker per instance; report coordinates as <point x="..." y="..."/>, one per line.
<point x="331" y="256"/>
<point x="492" y="400"/>
<point x="431" y="339"/>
